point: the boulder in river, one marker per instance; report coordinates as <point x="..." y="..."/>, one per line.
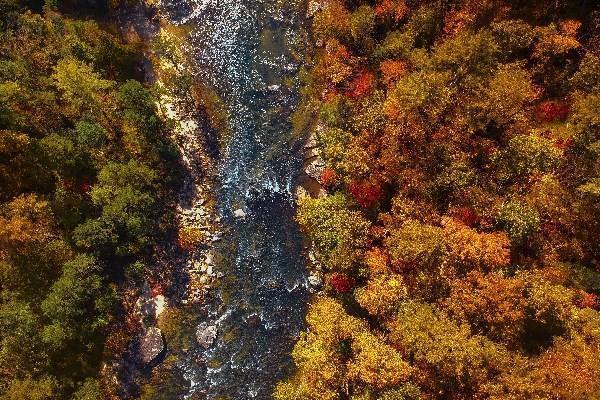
<point x="152" y="345"/>
<point x="206" y="334"/>
<point x="239" y="213"/>
<point x="149" y="308"/>
<point x="315" y="280"/>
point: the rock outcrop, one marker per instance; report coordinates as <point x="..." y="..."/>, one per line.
<point x="308" y="181"/>
<point x="152" y="345"/>
<point x="206" y="334"/>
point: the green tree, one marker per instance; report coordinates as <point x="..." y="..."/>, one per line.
<point x="362" y="26"/>
<point x="90" y="390"/>
<point x="461" y="361"/>
<point x="82" y="88"/>
<point x="22" y="352"/>
<point x="77" y="304"/>
<point x="518" y="219"/>
<point x="42" y="389"/>
<point x="125" y="192"/>
<point x="339" y="234"/>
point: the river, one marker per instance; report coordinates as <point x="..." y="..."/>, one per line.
<point x="245" y="49"/>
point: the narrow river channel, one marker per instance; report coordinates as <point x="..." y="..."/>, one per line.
<point x="244" y="48"/>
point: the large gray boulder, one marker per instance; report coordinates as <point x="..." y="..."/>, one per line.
<point x="206" y="334"/>
<point x="152" y="345"/>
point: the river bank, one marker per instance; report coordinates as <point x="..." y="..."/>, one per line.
<point x="180" y="270"/>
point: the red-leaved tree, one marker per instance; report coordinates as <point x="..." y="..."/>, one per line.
<point x="366" y="194"/>
<point x="551" y="111"/>
<point x="341" y="283"/>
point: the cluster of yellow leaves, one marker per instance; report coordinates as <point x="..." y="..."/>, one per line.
<point x="326" y="367"/>
<point x="82" y="88"/>
<point x="376" y="363"/>
<point x="382" y="294"/>
<point x="336" y="64"/>
<point x="477" y="250"/>
<point x="333" y="20"/>
<point x="339" y="234"/>
<point x="27" y="221"/>
<point x="429" y="336"/>
<point x="377" y="261"/>
<point x="422" y="244"/>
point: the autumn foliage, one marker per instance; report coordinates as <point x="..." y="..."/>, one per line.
<point x="550" y="111"/>
<point x="462" y="250"/>
<point x="341" y="283"/>
<point x="328" y="178"/>
<point x="366" y="194"/>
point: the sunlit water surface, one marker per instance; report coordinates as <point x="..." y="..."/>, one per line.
<point x="242" y="48"/>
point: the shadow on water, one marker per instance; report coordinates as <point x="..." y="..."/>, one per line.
<point x="242" y="48"/>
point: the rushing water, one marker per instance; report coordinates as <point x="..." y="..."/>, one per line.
<point x="242" y="48"/>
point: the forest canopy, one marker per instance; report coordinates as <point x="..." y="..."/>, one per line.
<point x="459" y="235"/>
<point x="84" y="169"/>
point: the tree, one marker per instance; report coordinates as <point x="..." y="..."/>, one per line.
<point x="366" y="194"/>
<point x="362" y="26"/>
<point x="407" y="391"/>
<point x="518" y="220"/>
<point x="89" y="135"/>
<point x="492" y="304"/>
<point x="382" y="295"/>
<point x="22" y="352"/>
<point x="528" y="154"/>
<point x="332" y="21"/>
<point x="472" y="249"/>
<point x="376" y="363"/>
<point x="397" y="44"/>
<point x="82" y="88"/>
<point x="550" y="307"/>
<point x="556" y="45"/>
<point x="417" y="244"/>
<point x="339" y="234"/>
<point x="333" y="144"/>
<point x="468" y="55"/>
<point x="77" y="304"/>
<point x="125" y="194"/>
<point x="42" y="389"/>
<point x="510" y="91"/>
<point x="31" y="252"/>
<point x="69" y="119"/>
<point x="420" y="95"/>
<point x="480" y="273"/>
<point x="393" y="70"/>
<point x="19" y="168"/>
<point x="140" y="122"/>
<point x="462" y="362"/>
<point x="90" y="390"/>
<point x="587" y="77"/>
<point x="62" y="156"/>
<point x="514" y="37"/>
<point x="319" y="355"/>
